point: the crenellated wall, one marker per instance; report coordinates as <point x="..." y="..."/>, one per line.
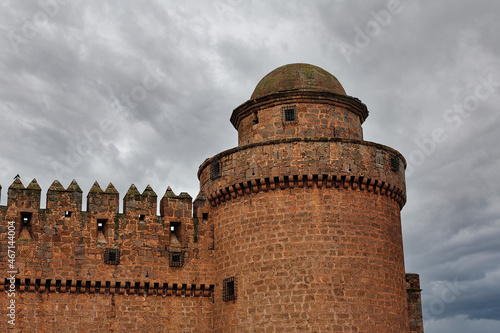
<point x="62" y="250"/>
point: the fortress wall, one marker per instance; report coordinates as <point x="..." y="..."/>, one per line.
<point x="69" y="312"/>
<point x="62" y="250"/>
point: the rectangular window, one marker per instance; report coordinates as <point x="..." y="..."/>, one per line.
<point x="215" y="169"/>
<point x="112" y="256"/>
<point x="394" y="163"/>
<point x="229" y="289"/>
<point x="101" y="224"/>
<point x="26" y="219"/>
<point x="289" y="114"/>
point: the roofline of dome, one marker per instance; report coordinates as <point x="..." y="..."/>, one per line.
<point x="299" y="95"/>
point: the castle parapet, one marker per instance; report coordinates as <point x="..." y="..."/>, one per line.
<point x="143" y="205"/>
<point x="176" y="207"/>
<point x="99" y="201"/>
<point x="68" y="200"/>
<point x="177" y="211"/>
<point x="24" y="198"/>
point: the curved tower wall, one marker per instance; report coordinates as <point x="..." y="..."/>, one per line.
<point x="313" y="244"/>
<point x="320" y="114"/>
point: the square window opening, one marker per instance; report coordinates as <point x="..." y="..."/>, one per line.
<point x="176" y="258"/>
<point x="175" y="228"/>
<point x="112" y="256"/>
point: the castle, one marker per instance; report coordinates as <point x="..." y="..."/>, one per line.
<point x="297" y="229"/>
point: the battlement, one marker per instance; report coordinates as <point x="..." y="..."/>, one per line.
<point x="98" y="201"/>
<point x="63" y="234"/>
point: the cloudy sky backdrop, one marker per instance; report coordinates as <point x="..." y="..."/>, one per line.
<point x="141" y="92"/>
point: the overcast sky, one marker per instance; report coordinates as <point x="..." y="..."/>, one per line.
<point x="141" y="92"/>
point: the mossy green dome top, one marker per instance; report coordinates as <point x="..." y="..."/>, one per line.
<point x="298" y="77"/>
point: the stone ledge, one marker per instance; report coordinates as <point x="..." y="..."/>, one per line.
<point x="292" y="181"/>
<point x="109" y="287"/>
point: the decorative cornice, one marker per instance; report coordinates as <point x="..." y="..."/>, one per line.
<point x="109" y="287"/>
<point x="328" y="181"/>
<point x="302" y="96"/>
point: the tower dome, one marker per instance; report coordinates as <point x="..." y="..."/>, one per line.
<point x="298" y="77"/>
<point x="298" y="100"/>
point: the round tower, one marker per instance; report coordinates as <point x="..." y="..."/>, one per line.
<point x="306" y="215"/>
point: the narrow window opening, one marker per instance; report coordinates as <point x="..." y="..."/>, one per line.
<point x="255" y="118"/>
<point x="394" y="163"/>
<point x="101" y="225"/>
<point x="204" y="216"/>
<point x="142" y="217"/>
<point x="67" y="213"/>
<point x="215" y="169"/>
<point x="26" y="219"/>
<point x="229" y="289"/>
<point x="175" y="234"/>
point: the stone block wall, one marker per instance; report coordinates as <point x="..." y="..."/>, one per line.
<point x="72" y="264"/>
